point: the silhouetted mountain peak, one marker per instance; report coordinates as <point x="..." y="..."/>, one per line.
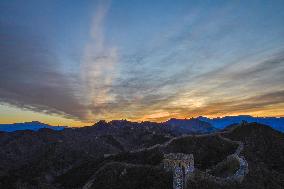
<point x="33" y="125"/>
<point x="222" y="122"/>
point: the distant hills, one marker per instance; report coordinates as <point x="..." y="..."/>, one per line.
<point x="197" y="125"/>
<point x="189" y="126"/>
<point x="33" y="126"/>
<point x="221" y="123"/>
<point x="175" y="126"/>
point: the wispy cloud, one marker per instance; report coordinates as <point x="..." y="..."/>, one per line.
<point x="30" y="77"/>
<point x="187" y="60"/>
<point x="99" y="64"/>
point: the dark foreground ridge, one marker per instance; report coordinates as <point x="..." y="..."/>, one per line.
<point x="122" y="155"/>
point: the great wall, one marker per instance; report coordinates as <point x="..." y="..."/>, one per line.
<point x="182" y="165"/>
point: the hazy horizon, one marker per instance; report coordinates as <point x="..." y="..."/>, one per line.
<point x="139" y="121"/>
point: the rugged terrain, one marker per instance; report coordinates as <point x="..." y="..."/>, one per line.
<point x="122" y="154"/>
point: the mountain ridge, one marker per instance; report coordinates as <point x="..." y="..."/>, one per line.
<point x="189" y="126"/>
<point x="33" y="126"/>
<point x="69" y="158"/>
<point x="199" y="124"/>
<point x="276" y="123"/>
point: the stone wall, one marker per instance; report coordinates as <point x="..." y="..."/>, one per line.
<point x="182" y="166"/>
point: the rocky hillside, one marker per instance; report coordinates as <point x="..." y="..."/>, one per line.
<point x="264" y="152"/>
<point x="34" y="158"/>
<point x="122" y="155"/>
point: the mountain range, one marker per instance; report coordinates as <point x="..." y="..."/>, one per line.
<point x="33" y="126"/>
<point x="124" y="155"/>
<point x="189" y="126"/>
<point x="276" y="123"/>
<point x="186" y="126"/>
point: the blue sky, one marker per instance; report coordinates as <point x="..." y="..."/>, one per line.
<point x="80" y="61"/>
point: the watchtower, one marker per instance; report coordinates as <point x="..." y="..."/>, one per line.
<point x="182" y="166"/>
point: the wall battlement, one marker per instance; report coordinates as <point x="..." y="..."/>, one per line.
<point x="182" y="166"/>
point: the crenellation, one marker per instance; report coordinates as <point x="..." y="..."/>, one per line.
<point x="182" y="166"/>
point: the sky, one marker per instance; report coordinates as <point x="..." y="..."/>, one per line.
<point x="67" y="62"/>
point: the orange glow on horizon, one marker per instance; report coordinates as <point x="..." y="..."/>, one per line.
<point x="15" y="115"/>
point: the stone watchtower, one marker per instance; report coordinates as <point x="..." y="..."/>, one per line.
<point x="182" y="166"/>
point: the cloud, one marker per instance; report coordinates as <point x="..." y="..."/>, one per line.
<point x="186" y="92"/>
<point x="98" y="64"/>
<point x="260" y="75"/>
<point x="211" y="62"/>
<point x="247" y="105"/>
<point x="30" y="77"/>
<point x="249" y="86"/>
